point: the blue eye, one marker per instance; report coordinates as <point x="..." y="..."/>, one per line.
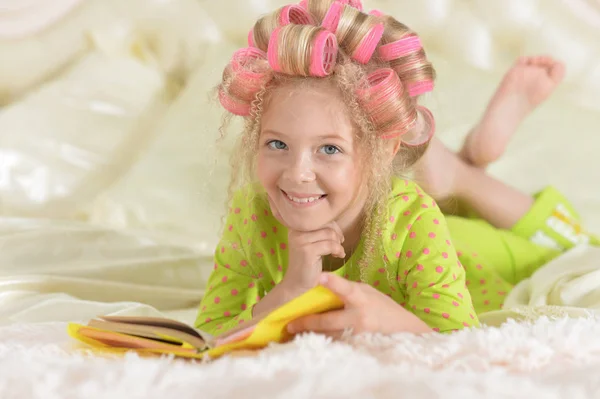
<point x="330" y="149"/>
<point x="277" y="145"/>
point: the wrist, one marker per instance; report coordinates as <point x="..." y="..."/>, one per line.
<point x="283" y="292"/>
<point x="416" y="326"/>
<point x="410" y="323"/>
<point x="290" y="289"/>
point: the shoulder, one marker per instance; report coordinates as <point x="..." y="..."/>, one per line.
<point x="249" y="202"/>
<point x="410" y="211"/>
<point x="249" y="211"/>
<point x="406" y="196"/>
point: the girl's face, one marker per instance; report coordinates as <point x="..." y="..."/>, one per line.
<point x="308" y="160"/>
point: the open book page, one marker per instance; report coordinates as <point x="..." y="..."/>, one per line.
<point x="161" y="322"/>
<point x="159" y="333"/>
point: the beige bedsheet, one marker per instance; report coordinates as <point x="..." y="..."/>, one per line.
<point x="111" y="187"/>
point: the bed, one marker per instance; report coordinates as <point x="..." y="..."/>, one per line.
<point x="112" y="189"/>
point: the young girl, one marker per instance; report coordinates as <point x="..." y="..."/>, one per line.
<point x="330" y="94"/>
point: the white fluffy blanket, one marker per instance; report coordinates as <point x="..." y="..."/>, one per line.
<point x="542" y="359"/>
<point x="554" y="355"/>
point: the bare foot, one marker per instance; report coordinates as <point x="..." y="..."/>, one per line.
<point x="527" y="84"/>
<point x="437" y="170"/>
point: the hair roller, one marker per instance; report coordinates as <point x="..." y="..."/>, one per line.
<point x="318" y="8"/>
<point x="419" y="88"/>
<point x="423" y="129"/>
<point x="332" y="17"/>
<point x="357" y="33"/>
<point x="233" y="105"/>
<point x="302" y="50"/>
<point x="403" y="49"/>
<point x="247" y="73"/>
<point x="356" y="4"/>
<point x="387" y="103"/>
<point x="400" y="48"/>
<point x="263" y="28"/>
<point x="251" y="38"/>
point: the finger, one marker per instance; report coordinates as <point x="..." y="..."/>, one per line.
<point x="329" y="247"/>
<point x="328" y="322"/>
<point x="311" y="237"/>
<point x="338" y="335"/>
<point x="348" y="291"/>
<point x="333" y="225"/>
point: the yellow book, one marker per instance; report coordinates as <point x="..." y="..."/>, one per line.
<point x="148" y="335"/>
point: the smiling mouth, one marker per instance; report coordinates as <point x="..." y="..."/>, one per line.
<point x="304" y="200"/>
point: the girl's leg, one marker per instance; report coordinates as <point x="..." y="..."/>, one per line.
<point x="449" y="180"/>
<point x="458" y="183"/>
<point x="525" y="86"/>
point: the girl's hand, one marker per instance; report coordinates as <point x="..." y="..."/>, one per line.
<point x="365" y="310"/>
<point x="305" y="265"/>
<point x="306" y="251"/>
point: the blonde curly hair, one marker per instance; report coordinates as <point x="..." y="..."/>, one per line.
<point x="378" y="66"/>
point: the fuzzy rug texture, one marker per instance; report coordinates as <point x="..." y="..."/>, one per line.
<point x="544" y="358"/>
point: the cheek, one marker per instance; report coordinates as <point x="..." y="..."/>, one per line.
<point x="266" y="171"/>
<point x="344" y="179"/>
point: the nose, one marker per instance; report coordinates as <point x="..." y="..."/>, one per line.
<point x="301" y="169"/>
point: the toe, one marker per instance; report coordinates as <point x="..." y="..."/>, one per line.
<point x="543" y="61"/>
<point x="557" y="72"/>
<point x="523" y="60"/>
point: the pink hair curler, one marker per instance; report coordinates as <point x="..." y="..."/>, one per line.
<point x="295" y="14"/>
<point x="400" y="48"/>
<point x="232" y="105"/>
<point x="382" y="84"/>
<point x="246" y="74"/>
<point x="419" y="88"/>
<point x="388" y="105"/>
<point x="322" y="58"/>
<point x="422" y="131"/>
<point x="304" y="4"/>
<point x="356" y="4"/>
<point x="244" y="57"/>
<point x="324" y="54"/>
<point x="273" y="51"/>
<point x="332" y="18"/>
<point x="251" y="38"/>
<point x="290" y="14"/>
<point x="367" y="47"/>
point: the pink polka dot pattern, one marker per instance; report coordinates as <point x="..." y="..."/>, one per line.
<point x="418" y="267"/>
<point x="435" y="278"/>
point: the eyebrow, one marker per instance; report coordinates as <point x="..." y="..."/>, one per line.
<point x="322" y="137"/>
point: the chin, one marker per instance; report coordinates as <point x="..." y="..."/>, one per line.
<point x="305" y="224"/>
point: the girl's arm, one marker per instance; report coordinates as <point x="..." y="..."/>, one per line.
<point x="432" y="276"/>
<point x="233" y="287"/>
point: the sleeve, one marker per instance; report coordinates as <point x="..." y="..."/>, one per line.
<point x="232" y="289"/>
<point x="435" y="279"/>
